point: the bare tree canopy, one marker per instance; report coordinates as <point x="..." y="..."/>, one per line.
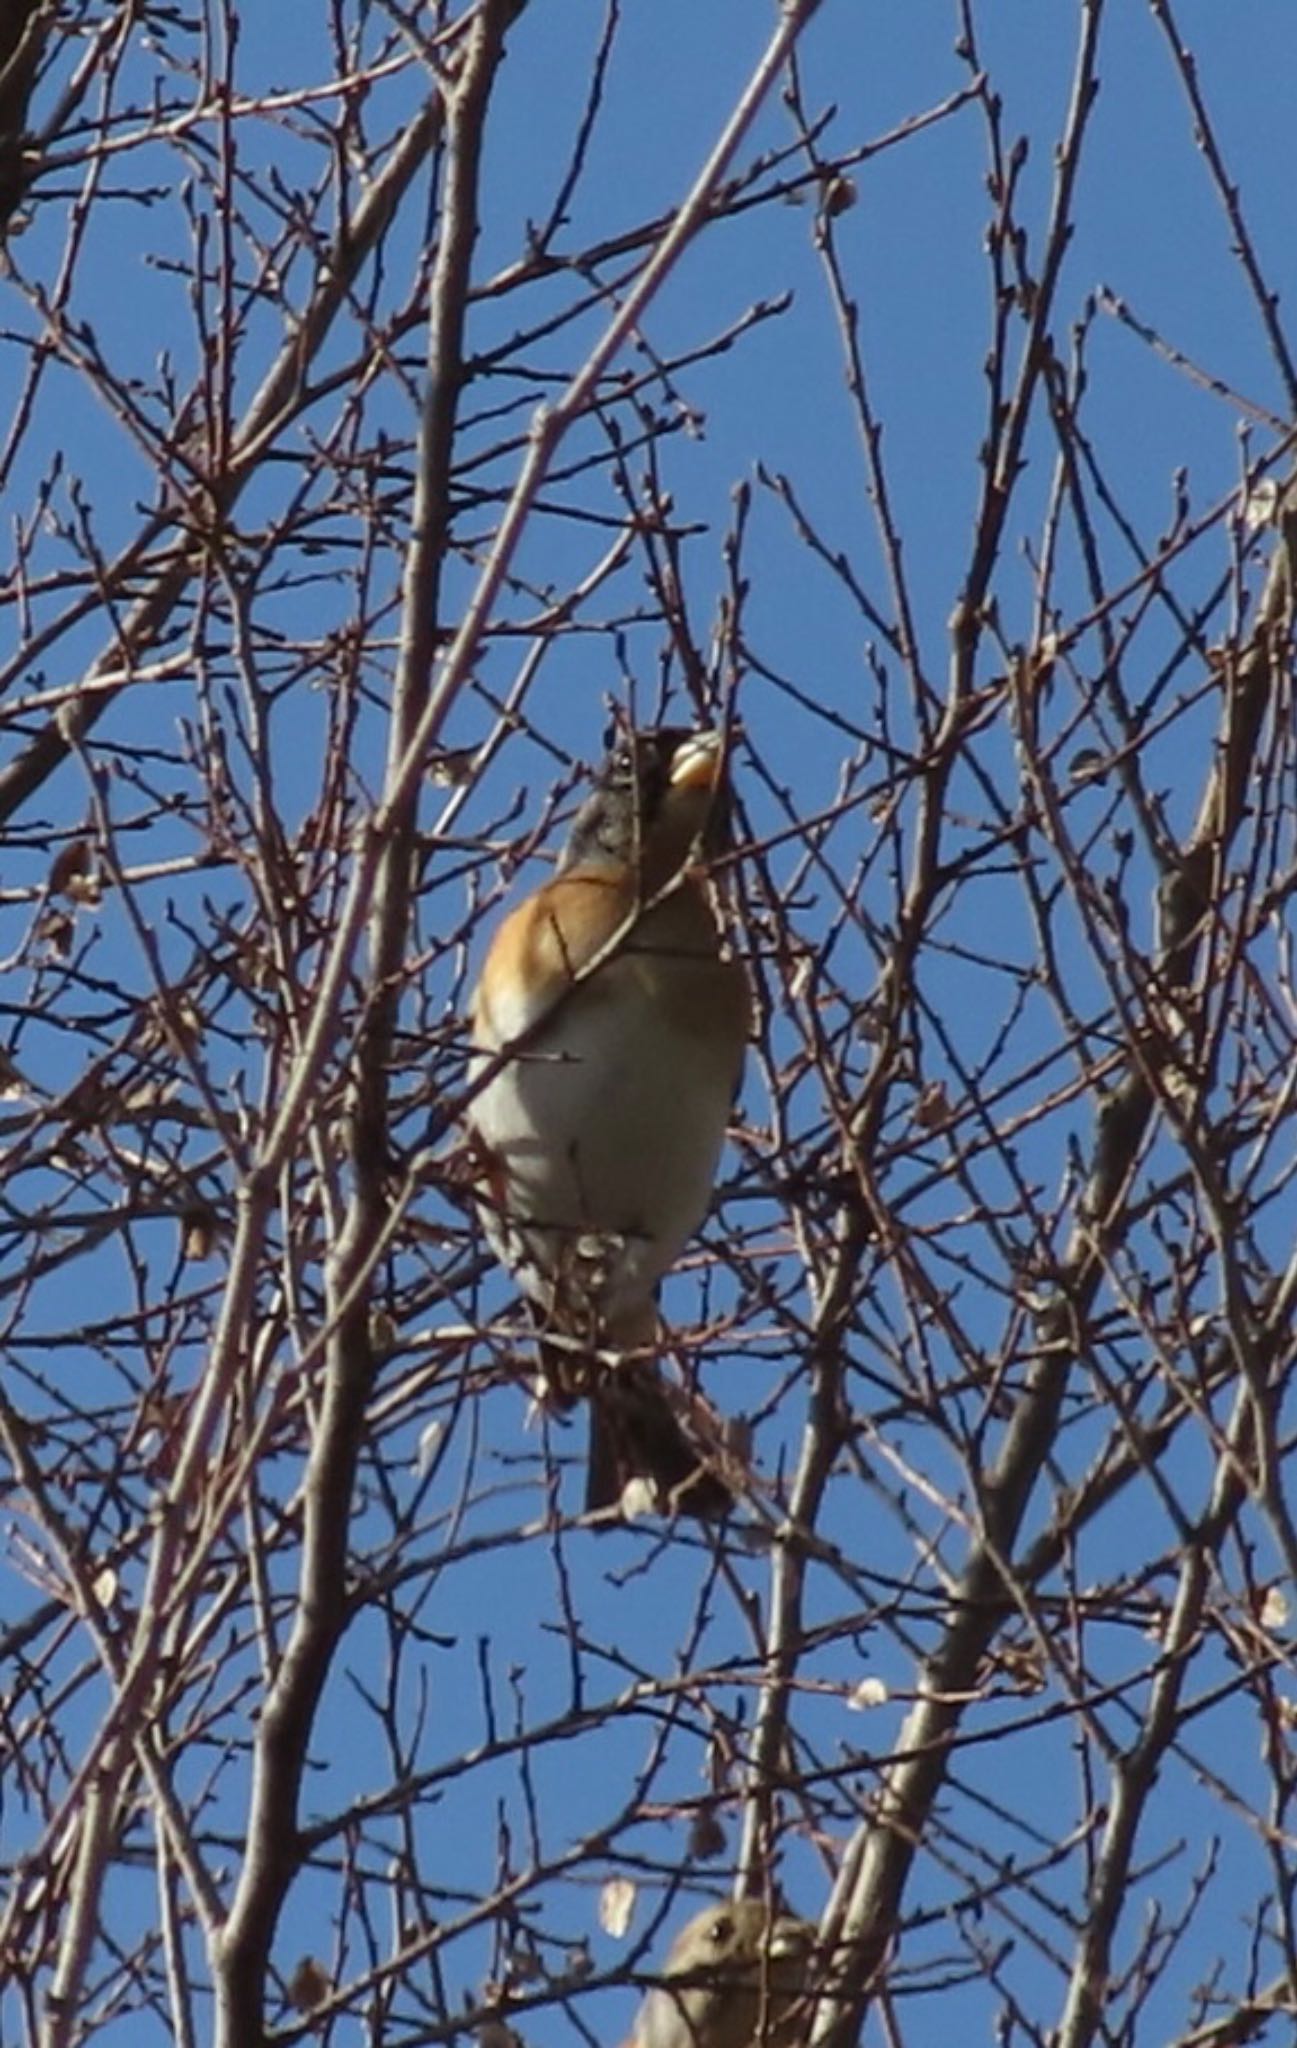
<point x="395" y="397"/>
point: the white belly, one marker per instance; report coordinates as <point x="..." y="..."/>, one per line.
<point x="606" y="1133"/>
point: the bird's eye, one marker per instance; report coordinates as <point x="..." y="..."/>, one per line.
<point x="721" y="1929"/>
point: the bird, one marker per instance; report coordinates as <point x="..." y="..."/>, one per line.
<point x="733" y="1978"/>
<point x="609" y="1029"/>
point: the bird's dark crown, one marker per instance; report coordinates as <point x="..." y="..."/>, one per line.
<point x="632" y="790"/>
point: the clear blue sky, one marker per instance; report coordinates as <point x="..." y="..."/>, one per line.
<point x="1150" y="230"/>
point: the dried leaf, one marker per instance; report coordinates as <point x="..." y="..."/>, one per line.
<point x="1088" y="764"/>
<point x="309" y="1985"/>
<point x="12" y="1085"/>
<point x="707" y="1838"/>
<point x="200" y="1232"/>
<point x="871" y="1692"/>
<point x="617" y="1906"/>
<point x="523" y="1966"/>
<point x="382" y="1332"/>
<point x="1260" y="505"/>
<point x="451" y="767"/>
<point x="55" y="929"/>
<point x="838" y="195"/>
<point x="932" y="1107"/>
<point x="71" y="864"/>
<point x="494" y="2033"/>
<point x="1274" y="1608"/>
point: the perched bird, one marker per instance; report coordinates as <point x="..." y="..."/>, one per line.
<point x="623" y="1028"/>
<point x="732" y="1979"/>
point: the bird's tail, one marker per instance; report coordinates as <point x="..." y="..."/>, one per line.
<point x="642" y="1429"/>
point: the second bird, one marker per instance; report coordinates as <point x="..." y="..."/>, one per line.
<point x="736" y="1977"/>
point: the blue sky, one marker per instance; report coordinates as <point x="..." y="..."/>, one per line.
<point x="1150" y="230"/>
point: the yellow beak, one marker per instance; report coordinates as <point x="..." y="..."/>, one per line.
<point x="696" y="762"/>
